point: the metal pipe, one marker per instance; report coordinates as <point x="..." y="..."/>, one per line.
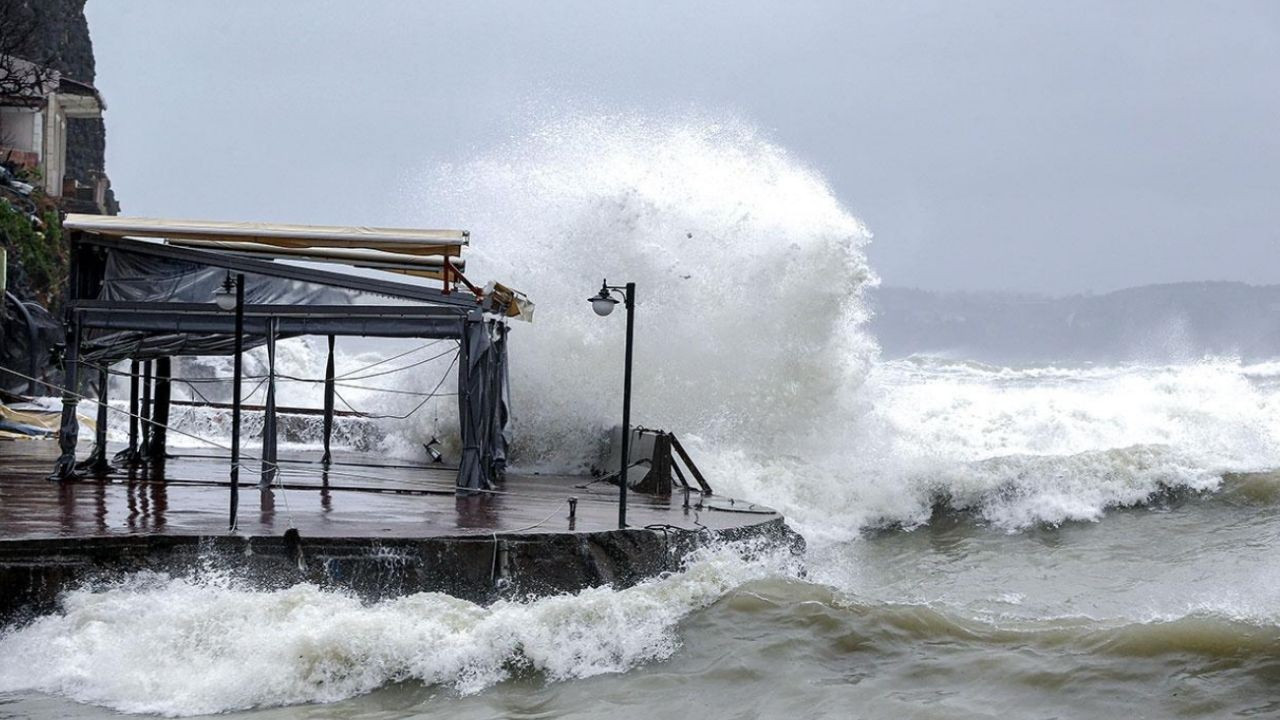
<point x="626" y="407"/>
<point x="97" y="463"/>
<point x="328" y="403"/>
<point x="238" y="263"/>
<point x="235" y="401"/>
<point x="160" y="412"/>
<point x="145" y="409"/>
<point x="69" y="428"/>
<point x="261" y="232"/>
<point x="362" y="257"/>
<point x="269" y="429"/>
<point x="132" y="452"/>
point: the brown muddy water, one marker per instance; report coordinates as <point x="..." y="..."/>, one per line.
<point x="1166" y="610"/>
<point x="1025" y="543"/>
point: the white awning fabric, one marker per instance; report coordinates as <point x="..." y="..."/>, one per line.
<point x="405" y="240"/>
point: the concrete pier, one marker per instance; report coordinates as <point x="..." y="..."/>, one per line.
<point x="379" y="530"/>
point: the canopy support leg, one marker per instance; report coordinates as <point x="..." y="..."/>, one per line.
<point x="160" y="412"/>
<point x="145" y="411"/>
<point x="97" y="463"/>
<point x="68" y="433"/>
<point x="65" y="468"/>
<point x="129" y="456"/>
<point x="328" y="404"/>
<point x="269" y="465"/>
<point x="235" y="403"/>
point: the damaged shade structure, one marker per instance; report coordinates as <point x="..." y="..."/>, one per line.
<point x="144" y="290"/>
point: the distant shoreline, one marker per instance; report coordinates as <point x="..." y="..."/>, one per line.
<point x="1174" y="322"/>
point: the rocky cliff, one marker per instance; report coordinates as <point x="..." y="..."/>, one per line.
<point x="29" y="225"/>
<point x="62" y="36"/>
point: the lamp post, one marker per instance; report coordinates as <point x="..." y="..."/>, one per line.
<point x="231" y="295"/>
<point x="603" y="304"/>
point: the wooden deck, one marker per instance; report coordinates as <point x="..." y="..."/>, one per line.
<point x="359" y="496"/>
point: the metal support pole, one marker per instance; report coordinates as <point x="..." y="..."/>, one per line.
<point x="160" y="411"/>
<point x="69" y="425"/>
<point x="97" y="463"/>
<point x="328" y="403"/>
<point x="130" y="454"/>
<point x="235" y="401"/>
<point x="69" y="428"/>
<point x="269" y="429"/>
<point x="626" y="408"/>
<point x="145" y="410"/>
<point x="66" y="467"/>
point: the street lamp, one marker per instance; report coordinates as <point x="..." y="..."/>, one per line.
<point x="225" y="296"/>
<point x="231" y="296"/>
<point x="603" y="304"/>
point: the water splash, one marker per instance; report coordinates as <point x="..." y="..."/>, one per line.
<point x="181" y="646"/>
<point x="750" y="277"/>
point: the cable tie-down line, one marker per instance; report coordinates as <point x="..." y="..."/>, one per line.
<point x="435" y="392"/>
<point x="294" y="470"/>
<point x="343" y="378"/>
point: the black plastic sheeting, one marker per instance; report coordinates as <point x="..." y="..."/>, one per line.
<point x="483" y="403"/>
<point x="29" y="336"/>
<point x="133" y="277"/>
<point x="144" y="330"/>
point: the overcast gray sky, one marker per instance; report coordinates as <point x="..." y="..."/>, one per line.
<point x="1058" y="147"/>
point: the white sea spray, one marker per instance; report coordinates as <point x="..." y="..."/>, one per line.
<point x="182" y="646"/>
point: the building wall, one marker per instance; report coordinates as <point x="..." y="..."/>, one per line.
<point x="55" y="138"/>
<point x="64" y="34"/>
<point x="19" y="128"/>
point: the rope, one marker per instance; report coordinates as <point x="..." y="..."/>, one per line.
<point x="493" y="570"/>
<point x="393" y="357"/>
<point x="444" y="376"/>
<point x="349" y="375"/>
<point x="394" y="391"/>
<point x="98" y="401"/>
<point x="302" y="472"/>
<point x="149" y="421"/>
<point x="191" y="383"/>
<point x="288" y="513"/>
<point x="398" y="369"/>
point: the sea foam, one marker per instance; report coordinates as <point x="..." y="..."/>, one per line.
<point x="205" y="644"/>
<point x="749" y="344"/>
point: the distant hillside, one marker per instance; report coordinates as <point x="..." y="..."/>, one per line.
<point x="1154" y="323"/>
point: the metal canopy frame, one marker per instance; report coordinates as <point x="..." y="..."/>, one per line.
<point x="122" y="226"/>
<point x="239" y="263"/>
<point x="209" y="329"/>
<point x="429" y="322"/>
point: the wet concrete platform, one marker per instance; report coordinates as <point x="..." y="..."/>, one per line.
<point x="367" y="524"/>
<point x="190" y="495"/>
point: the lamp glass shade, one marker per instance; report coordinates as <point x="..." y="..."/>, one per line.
<point x="226" y="299"/>
<point x="603" y="305"/>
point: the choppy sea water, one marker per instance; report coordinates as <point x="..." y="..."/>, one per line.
<point x="1157" y="597"/>
<point x="984" y="541"/>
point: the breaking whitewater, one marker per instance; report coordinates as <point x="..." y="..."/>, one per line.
<point x="1077" y="541"/>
